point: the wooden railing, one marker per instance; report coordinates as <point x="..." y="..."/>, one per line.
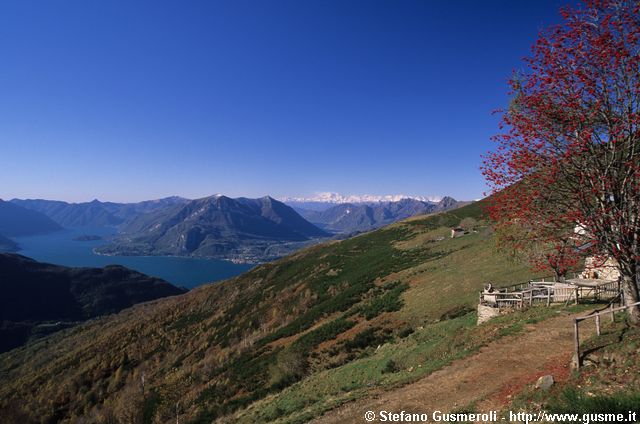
<point x="606" y="291"/>
<point x="609" y="310"/>
<point x="520" y="286"/>
<point x="502" y="298"/>
<point x="547" y="280"/>
<point x="546" y="290"/>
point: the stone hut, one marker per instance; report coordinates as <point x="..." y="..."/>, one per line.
<point x="601" y="269"/>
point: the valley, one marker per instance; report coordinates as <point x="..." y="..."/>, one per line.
<point x="220" y="348"/>
<point x="242" y="230"/>
<point x="340" y="323"/>
<point x="361" y="211"/>
<point x="63" y="248"/>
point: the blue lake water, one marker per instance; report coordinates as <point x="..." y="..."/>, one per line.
<point x="60" y="248"/>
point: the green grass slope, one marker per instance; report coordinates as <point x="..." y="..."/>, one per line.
<point x="239" y="349"/>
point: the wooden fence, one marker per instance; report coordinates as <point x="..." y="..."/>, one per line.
<point x="548" y="280"/>
<point x="610" y="310"/>
<point x="501" y="298"/>
<point x="547" y="291"/>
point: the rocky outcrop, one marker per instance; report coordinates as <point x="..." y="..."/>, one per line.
<point x="545" y="382"/>
<point x="485" y="313"/>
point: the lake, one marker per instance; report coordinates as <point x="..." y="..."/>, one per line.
<point x="60" y="248"/>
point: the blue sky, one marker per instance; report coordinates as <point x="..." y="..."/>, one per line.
<point x="132" y="100"/>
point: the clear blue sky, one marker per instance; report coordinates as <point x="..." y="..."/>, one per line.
<point x="132" y="100"/>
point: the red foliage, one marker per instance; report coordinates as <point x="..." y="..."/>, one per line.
<point x="570" y="153"/>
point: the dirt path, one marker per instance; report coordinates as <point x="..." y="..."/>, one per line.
<point x="487" y="378"/>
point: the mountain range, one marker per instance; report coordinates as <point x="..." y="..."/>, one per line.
<point x="320" y="336"/>
<point x="16" y="221"/>
<point x="331" y="197"/>
<point x="241" y="229"/>
<point x="347" y="218"/>
<point x="217" y="226"/>
<point x="40" y="298"/>
<point x="323" y="201"/>
<point x="283" y="342"/>
<point x="95" y="213"/>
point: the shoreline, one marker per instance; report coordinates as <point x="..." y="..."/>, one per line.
<point x="208" y="258"/>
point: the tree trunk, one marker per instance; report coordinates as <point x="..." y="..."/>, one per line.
<point x="560" y="276"/>
<point x="630" y="292"/>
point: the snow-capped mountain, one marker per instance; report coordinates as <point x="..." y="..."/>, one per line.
<point x="349" y="218"/>
<point x="336" y="198"/>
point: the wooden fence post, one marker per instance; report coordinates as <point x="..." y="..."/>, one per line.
<point x="576" y="321"/>
<point x="548" y="296"/>
<point x="620" y="291"/>
<point x="577" y="343"/>
<point x="613" y="317"/>
<point x="577" y="289"/>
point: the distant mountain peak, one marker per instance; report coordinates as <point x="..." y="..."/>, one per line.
<point x="351" y="217"/>
<point x="332" y="197"/>
<point x="212" y="197"/>
<point x="218" y="226"/>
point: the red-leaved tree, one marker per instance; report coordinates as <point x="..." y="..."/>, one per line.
<point x="569" y="154"/>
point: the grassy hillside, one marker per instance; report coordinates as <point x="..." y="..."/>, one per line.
<point x="263" y="344"/>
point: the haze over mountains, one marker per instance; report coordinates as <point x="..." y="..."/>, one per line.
<point x="16" y="221"/>
<point x="95" y="213"/>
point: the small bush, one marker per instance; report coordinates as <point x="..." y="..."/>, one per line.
<point x="325" y="332"/>
<point x="366" y="338"/>
<point x="390" y="301"/>
<point x="455" y="312"/>
<point x="391" y="367"/>
<point x="405" y="332"/>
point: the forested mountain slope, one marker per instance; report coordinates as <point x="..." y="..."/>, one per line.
<point x="37" y="296"/>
